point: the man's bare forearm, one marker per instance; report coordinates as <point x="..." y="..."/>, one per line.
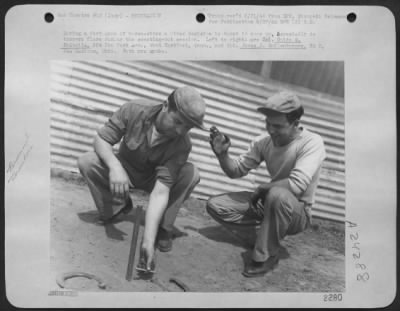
<point x="157" y="204"/>
<point x="105" y="152"/>
<point x="228" y="165"/>
<point x="118" y="177"/>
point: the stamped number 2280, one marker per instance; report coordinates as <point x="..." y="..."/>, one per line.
<point x="333" y="297"/>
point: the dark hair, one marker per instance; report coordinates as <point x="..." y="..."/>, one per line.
<point x="295" y="114"/>
<point x="171" y="102"/>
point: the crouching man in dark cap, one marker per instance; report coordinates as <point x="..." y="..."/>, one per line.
<point x="153" y="155"/>
<point x="282" y="206"/>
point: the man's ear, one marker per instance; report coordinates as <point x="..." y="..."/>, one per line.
<point x="296" y="123"/>
<point x="165" y="106"/>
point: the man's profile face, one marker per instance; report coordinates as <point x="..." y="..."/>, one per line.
<point x="173" y="124"/>
<point x="279" y="128"/>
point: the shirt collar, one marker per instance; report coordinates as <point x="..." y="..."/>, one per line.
<point x="149" y="120"/>
<point x="152" y="113"/>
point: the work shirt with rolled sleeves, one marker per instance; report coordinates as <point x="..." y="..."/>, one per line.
<point x="133" y="123"/>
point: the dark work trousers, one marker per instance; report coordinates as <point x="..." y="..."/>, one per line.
<point x="96" y="174"/>
<point x="278" y="215"/>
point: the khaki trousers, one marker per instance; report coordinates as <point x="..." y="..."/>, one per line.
<point x="96" y="174"/>
<point x="279" y="214"/>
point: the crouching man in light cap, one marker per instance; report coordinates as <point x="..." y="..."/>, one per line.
<point x="282" y="206"/>
<point x="153" y="156"/>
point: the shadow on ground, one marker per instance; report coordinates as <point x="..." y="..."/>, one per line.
<point x="112" y="231"/>
<point x="241" y="238"/>
<point x="207" y="256"/>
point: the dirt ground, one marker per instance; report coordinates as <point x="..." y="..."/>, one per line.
<point x="205" y="256"/>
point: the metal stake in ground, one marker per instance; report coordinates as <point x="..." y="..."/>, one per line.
<point x="132" y="251"/>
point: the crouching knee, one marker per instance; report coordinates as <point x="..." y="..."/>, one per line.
<point x="212" y="204"/>
<point x="85" y="162"/>
<point x="190" y="173"/>
<point x="224" y="209"/>
<point x="276" y="195"/>
<point x="214" y="209"/>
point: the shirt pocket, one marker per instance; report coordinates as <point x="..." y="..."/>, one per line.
<point x="136" y="154"/>
<point x="132" y="144"/>
<point x="156" y="157"/>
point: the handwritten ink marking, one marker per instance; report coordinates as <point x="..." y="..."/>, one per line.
<point x="15" y="166"/>
<point x="361" y="269"/>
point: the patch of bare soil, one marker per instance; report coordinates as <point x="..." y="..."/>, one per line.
<point x="205" y="256"/>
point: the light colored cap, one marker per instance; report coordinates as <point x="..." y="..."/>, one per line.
<point x="190" y="104"/>
<point x="283" y="102"/>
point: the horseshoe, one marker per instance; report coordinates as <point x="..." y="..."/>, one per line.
<point x="180" y="284"/>
<point x="65" y="276"/>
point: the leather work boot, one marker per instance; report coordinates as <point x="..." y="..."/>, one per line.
<point x="102" y="221"/>
<point x="127" y="208"/>
<point x="164" y="240"/>
<point x="256" y="268"/>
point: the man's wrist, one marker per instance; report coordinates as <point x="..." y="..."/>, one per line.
<point x="222" y="155"/>
<point x="114" y="164"/>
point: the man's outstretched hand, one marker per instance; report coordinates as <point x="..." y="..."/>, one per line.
<point x="219" y="142"/>
<point x="146" y="261"/>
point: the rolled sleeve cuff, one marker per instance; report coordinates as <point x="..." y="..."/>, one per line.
<point x="298" y="183"/>
<point x="164" y="176"/>
<point x="241" y="168"/>
<point x="110" y="133"/>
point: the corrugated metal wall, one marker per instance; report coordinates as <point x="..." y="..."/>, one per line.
<point x="84" y="94"/>
<point x="326" y="77"/>
<point x="321" y="76"/>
